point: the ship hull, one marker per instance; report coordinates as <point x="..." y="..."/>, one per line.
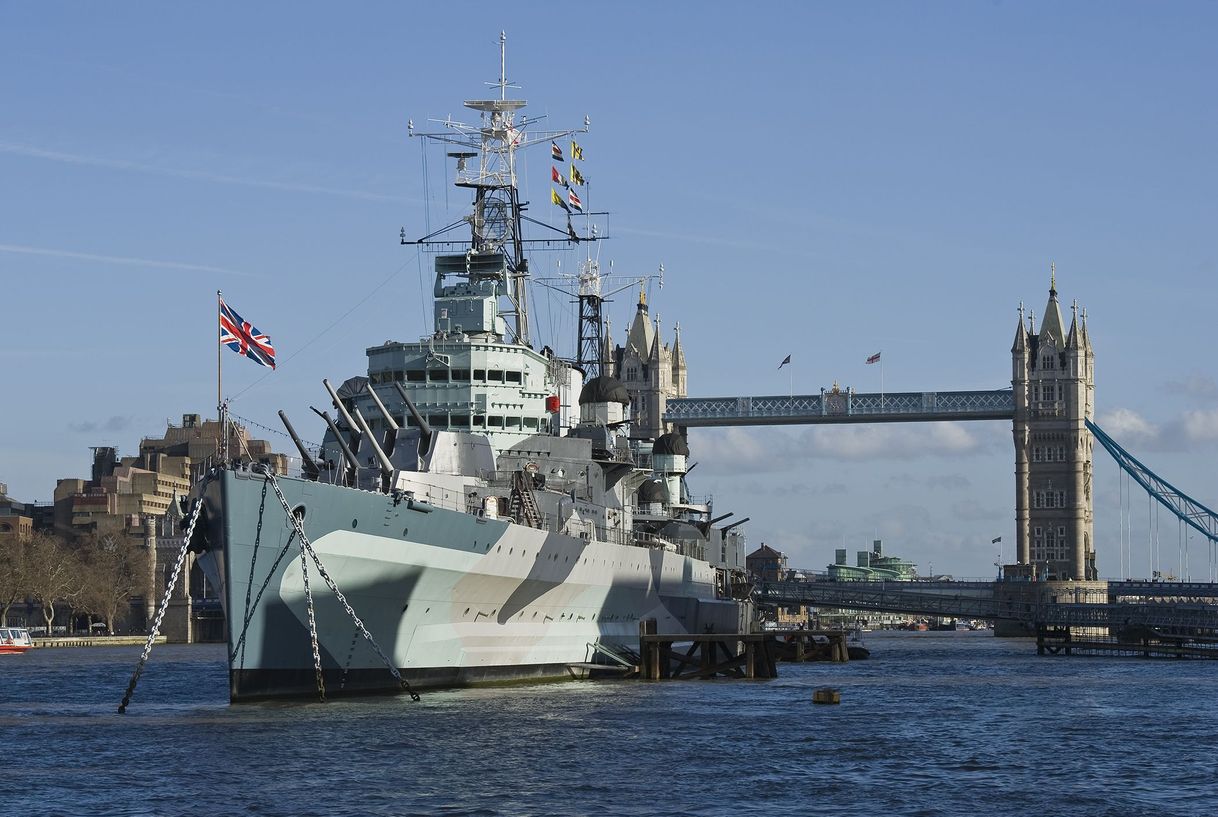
<point x="451" y="598"/>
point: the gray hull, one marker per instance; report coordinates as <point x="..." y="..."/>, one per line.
<point x="451" y="598"/>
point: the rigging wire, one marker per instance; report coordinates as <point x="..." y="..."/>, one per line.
<point x="319" y="335"/>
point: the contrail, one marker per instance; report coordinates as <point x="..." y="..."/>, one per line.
<point x="121" y="259"/>
<point x="196" y="175"/>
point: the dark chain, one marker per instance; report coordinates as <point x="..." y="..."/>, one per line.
<point x="304" y="574"/>
<point x="306" y="546"/>
<point x="173" y="583"/>
<point x="249" y="612"/>
<point x="253" y="562"/>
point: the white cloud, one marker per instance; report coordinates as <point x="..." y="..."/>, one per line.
<point x="1201" y="426"/>
<point x="745" y="450"/>
<point x="33" y="152"/>
<point x="1131" y="430"/>
<point x="891" y="442"/>
<point x="1200" y="386"/>
<point x="119" y="259"/>
<point x="1126" y="424"/>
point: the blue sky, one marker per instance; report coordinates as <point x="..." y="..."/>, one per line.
<point x="820" y="180"/>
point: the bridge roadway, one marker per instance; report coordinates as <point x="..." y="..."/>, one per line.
<point x="841" y="407"/>
<point x="1158" y="604"/>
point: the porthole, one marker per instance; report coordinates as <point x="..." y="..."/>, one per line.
<point x="354" y="523"/>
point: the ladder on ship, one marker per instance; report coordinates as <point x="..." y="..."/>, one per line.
<point x="523" y="505"/>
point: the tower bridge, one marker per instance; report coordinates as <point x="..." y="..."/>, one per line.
<point x="1051" y="405"/>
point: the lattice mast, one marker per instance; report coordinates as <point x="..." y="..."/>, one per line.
<point x="495" y="220"/>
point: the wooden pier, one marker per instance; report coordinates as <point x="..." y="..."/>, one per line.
<point x="732" y="655"/>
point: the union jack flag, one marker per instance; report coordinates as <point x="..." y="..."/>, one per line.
<point x="244" y="338"/>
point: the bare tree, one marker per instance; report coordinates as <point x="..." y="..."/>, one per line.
<point x="115" y="569"/>
<point x="13" y="551"/>
<point x="52" y="573"/>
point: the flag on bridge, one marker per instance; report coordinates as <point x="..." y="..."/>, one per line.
<point x="995" y="540"/>
<point x="785" y="361"/>
<point x="244" y="338"/>
<point x="874" y="358"/>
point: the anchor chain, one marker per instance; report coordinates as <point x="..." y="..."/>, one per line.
<point x="250" y="608"/>
<point x="304" y="574"/>
<point x="253" y="562"/>
<point x="173" y="583"/>
<point x="307" y="546"/>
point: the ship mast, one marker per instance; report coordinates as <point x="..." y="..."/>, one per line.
<point x="495" y="222"/>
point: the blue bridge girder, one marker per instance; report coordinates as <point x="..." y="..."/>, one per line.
<point x="1164" y="604"/>
<point x="841" y="407"/>
<point x="1187" y="509"/>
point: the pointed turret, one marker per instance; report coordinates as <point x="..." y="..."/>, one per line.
<point x="1021" y="334"/>
<point x="1072" y="341"/>
<point x="1051" y="322"/>
<point x="641" y="332"/>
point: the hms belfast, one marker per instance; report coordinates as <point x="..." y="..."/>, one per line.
<point x="479" y="510"/>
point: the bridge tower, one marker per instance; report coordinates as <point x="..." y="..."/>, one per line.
<point x="1053" y="378"/>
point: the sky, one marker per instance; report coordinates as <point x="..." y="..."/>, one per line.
<point x="823" y="180"/>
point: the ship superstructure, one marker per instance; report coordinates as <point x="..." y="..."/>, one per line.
<point x="481" y="506"/>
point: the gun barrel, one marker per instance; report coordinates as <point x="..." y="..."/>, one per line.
<point x="389" y="421"/>
<point x="386" y="466"/>
<point x="424" y="429"/>
<point x="726" y="528"/>
<point x="310" y="467"/>
<point x="338" y="404"/>
<point x="342" y="444"/>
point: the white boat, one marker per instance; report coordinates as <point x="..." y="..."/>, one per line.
<point x="14" y="640"/>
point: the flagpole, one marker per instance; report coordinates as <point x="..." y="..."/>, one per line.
<point x="223" y="441"/>
<point x="881" y="380"/>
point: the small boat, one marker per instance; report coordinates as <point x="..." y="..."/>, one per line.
<point x="14" y="640"/>
<point x="854" y="645"/>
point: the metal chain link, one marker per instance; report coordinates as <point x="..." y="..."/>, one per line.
<point x="307" y="546"/>
<point x="249" y="585"/>
<point x="304" y="573"/>
<point x="173" y="583"/>
<point x="250" y="608"/>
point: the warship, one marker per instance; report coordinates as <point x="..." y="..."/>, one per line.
<point x="479" y="510"/>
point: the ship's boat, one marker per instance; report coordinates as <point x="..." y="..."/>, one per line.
<point x="478" y="510"/>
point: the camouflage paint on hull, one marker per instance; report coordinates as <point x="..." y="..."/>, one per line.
<point x="451" y="597"/>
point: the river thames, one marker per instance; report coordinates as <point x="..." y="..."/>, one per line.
<point x="932" y="724"/>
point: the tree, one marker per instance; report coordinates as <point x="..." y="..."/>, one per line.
<point x="13" y="552"/>
<point x="52" y="573"/>
<point x="115" y="567"/>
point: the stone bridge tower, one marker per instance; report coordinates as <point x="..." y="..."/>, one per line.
<point x="1053" y="378"/>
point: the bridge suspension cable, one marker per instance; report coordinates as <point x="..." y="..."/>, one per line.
<point x="1187" y="510"/>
